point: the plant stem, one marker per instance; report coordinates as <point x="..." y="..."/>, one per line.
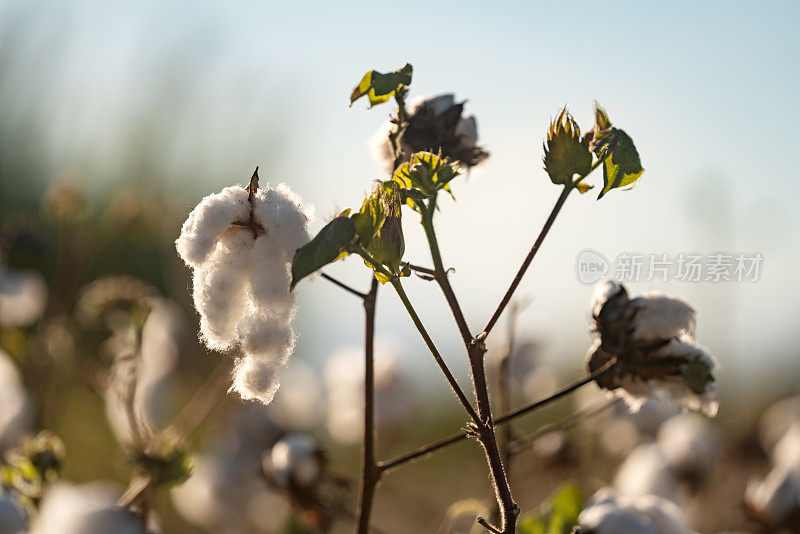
<point x="344" y="286"/>
<point x="503" y="419"/>
<point x="398" y="287"/>
<point x="476" y="351"/>
<point x="370" y="474"/>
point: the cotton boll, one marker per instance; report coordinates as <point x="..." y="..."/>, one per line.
<point x="603" y="291"/>
<point x="284" y="216"/>
<point x="87" y="509"/>
<point x="220" y="288"/>
<point x="23" y="297"/>
<point x="438" y="103"/>
<point x="13" y="516"/>
<point x="211" y="218"/>
<point x="270" y="277"/>
<point x="646" y="472"/>
<point x="664" y="515"/>
<point x="609" y="513"/>
<point x="661" y="317"/>
<point x="689" y="443"/>
<point x="16" y="411"/>
<point x="611" y="519"/>
<point x="265" y="337"/>
<point x="775" y="499"/>
<point x="254" y="379"/>
<point x="295" y="460"/>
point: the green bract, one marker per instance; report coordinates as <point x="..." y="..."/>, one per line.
<point x="556" y="517"/>
<point x="565" y="154"/>
<point x="381" y="87"/>
<point x="427" y="173"/>
<point x="621" y="164"/>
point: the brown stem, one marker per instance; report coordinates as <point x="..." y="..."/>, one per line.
<point x="370" y="474"/>
<point x="344" y="286"/>
<point x="526" y="263"/>
<point x="503" y="419"/>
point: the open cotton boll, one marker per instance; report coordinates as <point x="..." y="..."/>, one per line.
<point x="265" y="337"/>
<point x="689" y="443"/>
<point x="270" y="277"/>
<point x="220" y="289"/>
<point x="609" y="513"/>
<point x="16" y="411"/>
<point x="254" y="379"/>
<point x="284" y="216"/>
<point x="87" y="509"/>
<point x="646" y="472"/>
<point x="661" y="317"/>
<point x="13" y="516"/>
<point x="23" y="297"/>
<point x="208" y="221"/>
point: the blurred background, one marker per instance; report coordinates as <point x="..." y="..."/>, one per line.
<point x="117" y="118"/>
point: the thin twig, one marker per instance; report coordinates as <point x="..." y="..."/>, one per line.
<point x="344" y="286"/>
<point x="420" y="269"/>
<point x="509" y="416"/>
<point x="485" y="524"/>
<point x="370" y="474"/>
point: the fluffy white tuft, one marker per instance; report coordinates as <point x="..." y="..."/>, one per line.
<point x="609" y="513"/>
<point x="254" y="379"/>
<point x="661" y="317"/>
<point x="208" y="221"/>
<point x="88" y="509"/>
<point x="285" y="217"/>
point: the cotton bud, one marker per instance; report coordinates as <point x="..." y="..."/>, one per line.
<point x="434" y="124"/>
<point x="240" y="244"/>
<point x="565" y="153"/>
<point x="87" y="509"/>
<point x="294" y="461"/>
<point x="651" y="340"/>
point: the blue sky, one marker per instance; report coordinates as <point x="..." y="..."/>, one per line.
<point x="706" y="89"/>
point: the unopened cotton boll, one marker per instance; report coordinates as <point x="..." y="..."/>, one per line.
<point x="87" y="509"/>
<point x="689" y="443"/>
<point x="13" y="516"/>
<point x="254" y="379"/>
<point x="211" y="218"/>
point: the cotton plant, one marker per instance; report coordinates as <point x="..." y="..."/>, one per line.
<point x="239" y="244"/>
<point x="652" y="339"/>
<point x="249" y="253"/>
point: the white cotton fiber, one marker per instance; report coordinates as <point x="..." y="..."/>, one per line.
<point x="270" y="277"/>
<point x="255" y="380"/>
<point x="242" y="275"/>
<point x="285" y="217"/>
<point x="220" y="288"/>
<point x="210" y="219"/>
<point x="662" y="317"/>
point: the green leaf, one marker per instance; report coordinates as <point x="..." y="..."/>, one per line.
<point x="558" y="516"/>
<point x="381" y="87"/>
<point x="621" y="166"/>
<point x="370" y="218"/>
<point x="325" y="248"/>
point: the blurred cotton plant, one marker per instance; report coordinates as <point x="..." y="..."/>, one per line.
<point x="239" y="244"/>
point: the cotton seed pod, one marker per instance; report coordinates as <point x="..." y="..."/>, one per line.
<point x="565" y="154"/>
